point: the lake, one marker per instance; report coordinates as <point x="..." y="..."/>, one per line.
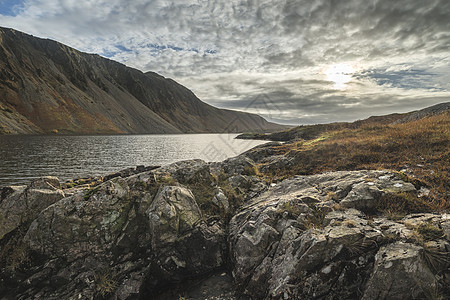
<point x="23" y="158"/>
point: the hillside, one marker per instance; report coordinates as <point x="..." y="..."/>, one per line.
<point x="309" y="132"/>
<point x="419" y="150"/>
<point x="47" y="87"/>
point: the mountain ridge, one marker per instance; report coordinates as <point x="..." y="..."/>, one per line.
<point x="48" y="87"/>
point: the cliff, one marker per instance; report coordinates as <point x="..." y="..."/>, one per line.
<point x="47" y="87"/>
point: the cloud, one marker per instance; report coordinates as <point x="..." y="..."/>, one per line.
<point x="232" y="52"/>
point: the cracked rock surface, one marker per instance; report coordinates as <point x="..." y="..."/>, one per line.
<point x="217" y="231"/>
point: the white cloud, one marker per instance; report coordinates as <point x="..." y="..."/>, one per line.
<point x="229" y="52"/>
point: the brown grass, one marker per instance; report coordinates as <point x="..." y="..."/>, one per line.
<point x="422" y="147"/>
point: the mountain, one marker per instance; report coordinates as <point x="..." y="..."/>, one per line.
<point x="47" y="87"/>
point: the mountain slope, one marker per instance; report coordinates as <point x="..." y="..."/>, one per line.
<point x="309" y="132"/>
<point x="49" y="87"/>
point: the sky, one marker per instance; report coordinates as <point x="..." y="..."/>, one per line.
<point x="293" y="62"/>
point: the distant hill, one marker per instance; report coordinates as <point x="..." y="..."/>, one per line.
<point x="47" y="87"/>
<point x="309" y="132"/>
<point x="426" y="112"/>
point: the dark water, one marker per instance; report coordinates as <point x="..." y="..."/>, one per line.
<point x="23" y="158"/>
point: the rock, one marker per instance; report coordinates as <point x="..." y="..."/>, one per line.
<point x="239" y="165"/>
<point x="445" y="224"/>
<point x="130" y="171"/>
<point x="362" y="196"/>
<point x="188" y="171"/>
<point x="221" y="201"/>
<point x="260" y="152"/>
<point x="22" y="204"/>
<point x="81" y="224"/>
<point x="397" y="259"/>
<point x="46" y="183"/>
<point x="276" y="162"/>
<point x="249" y="186"/>
<point x="290" y="242"/>
<point x="141" y="235"/>
<point x="124" y="237"/>
<point x="173" y="212"/>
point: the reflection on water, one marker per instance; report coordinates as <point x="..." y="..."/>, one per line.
<point x="23" y="158"/>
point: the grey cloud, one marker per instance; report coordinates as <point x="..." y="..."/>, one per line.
<point x="230" y="52"/>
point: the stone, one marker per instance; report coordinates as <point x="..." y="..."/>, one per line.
<point x="239" y="165"/>
<point x="137" y="236"/>
<point x="46" y="183"/>
<point x="22" y="204"/>
<point x="221" y="201"/>
<point x="173" y="212"/>
<point x="399" y="273"/>
<point x="125" y="238"/>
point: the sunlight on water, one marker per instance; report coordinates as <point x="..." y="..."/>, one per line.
<point x="26" y="157"/>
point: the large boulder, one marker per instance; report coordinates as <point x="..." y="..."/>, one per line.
<point x="123" y="238"/>
<point x="309" y="237"/>
<point x="21" y="204"/>
<point x="400" y="273"/>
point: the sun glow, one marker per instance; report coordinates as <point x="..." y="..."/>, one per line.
<point x="340" y="74"/>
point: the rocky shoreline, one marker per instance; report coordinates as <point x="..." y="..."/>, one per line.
<point x="197" y="230"/>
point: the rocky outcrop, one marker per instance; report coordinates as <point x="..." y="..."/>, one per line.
<point x="311" y="237"/>
<point x="166" y="232"/>
<point x="47" y="87"/>
<point x="22" y="204"/>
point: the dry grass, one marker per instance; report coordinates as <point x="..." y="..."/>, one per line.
<point x="422" y="147"/>
<point x="106" y="282"/>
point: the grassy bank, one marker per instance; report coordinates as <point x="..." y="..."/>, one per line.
<point x="418" y="150"/>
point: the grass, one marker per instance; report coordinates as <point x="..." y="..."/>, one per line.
<point x="429" y="232"/>
<point x="106" y="283"/>
<point x="316" y="219"/>
<point x="398" y="204"/>
<point x="422" y="147"/>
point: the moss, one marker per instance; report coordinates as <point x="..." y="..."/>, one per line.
<point x="415" y="181"/>
<point x="331" y="196"/>
<point x="204" y="193"/>
<point x="291" y="208"/>
<point x="316" y="219"/>
<point x="250" y="170"/>
<point x="429" y="232"/>
<point x="90" y="192"/>
<point x="106" y="282"/>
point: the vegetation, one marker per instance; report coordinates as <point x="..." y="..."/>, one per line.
<point x="429" y="232"/>
<point x="418" y="150"/>
<point x="316" y="219"/>
<point x="106" y="282"/>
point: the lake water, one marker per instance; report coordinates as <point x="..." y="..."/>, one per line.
<point x="23" y="158"/>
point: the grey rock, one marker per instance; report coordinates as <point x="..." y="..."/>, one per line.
<point x="46" y="183"/>
<point x="173" y="212"/>
<point x="399" y="273"/>
<point x="22" y="204"/>
<point x="221" y="201"/>
<point x="188" y="171"/>
<point x="119" y="237"/>
<point x="239" y="165"/>
<point x="290" y="242"/>
<point x="302" y="238"/>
